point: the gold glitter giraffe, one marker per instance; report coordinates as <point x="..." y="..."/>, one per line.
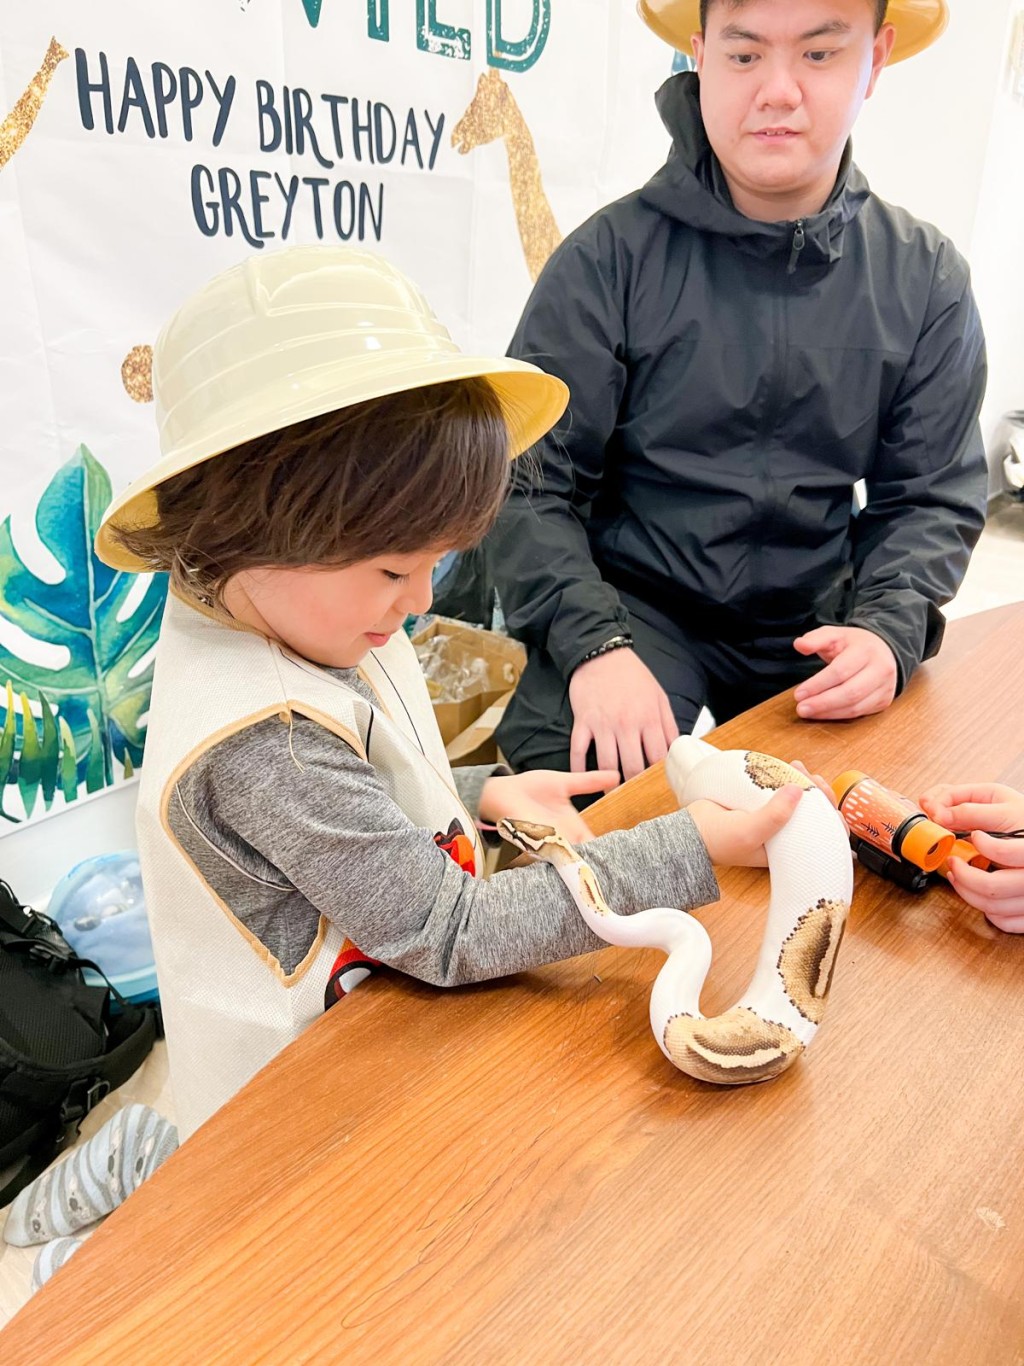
<point x="493" y="114"/>
<point x="16" y="126"/>
<point x="137" y="374"/>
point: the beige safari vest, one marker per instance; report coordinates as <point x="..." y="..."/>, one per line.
<point x="228" y="1005"/>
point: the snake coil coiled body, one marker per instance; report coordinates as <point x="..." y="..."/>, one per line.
<point x="811" y="871"/>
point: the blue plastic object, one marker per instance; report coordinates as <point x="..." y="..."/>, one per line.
<point x="101" y="910"/>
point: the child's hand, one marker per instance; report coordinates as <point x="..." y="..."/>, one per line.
<point x="738" y="837"/>
<point x="977" y="808"/>
<point x="545" y="796"/>
<point x="999" y="893"/>
<point x="819" y="782"/>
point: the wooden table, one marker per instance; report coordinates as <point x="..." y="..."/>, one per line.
<point x="514" y="1173"/>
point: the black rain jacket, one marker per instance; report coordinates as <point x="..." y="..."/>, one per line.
<point x="730" y="382"/>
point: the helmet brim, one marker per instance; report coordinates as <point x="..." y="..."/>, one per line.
<point x="531" y="403"/>
<point x="918" y="23"/>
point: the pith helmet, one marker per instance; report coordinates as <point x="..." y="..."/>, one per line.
<point x="917" y="23"/>
<point x="295" y="334"/>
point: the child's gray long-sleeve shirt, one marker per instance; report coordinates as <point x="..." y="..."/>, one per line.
<point x="286" y="827"/>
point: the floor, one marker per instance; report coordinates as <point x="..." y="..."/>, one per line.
<point x="995" y="577"/>
<point x="996" y="573"/>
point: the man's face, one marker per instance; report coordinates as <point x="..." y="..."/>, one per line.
<point x="781" y="83"/>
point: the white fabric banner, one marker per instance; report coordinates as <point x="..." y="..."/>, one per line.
<point x="143" y="148"/>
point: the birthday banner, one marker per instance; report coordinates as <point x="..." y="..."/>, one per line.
<point x="145" y="146"/>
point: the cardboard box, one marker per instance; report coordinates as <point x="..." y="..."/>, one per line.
<point x="467" y="727"/>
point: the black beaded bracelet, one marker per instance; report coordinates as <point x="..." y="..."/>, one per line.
<point x="616" y="643"/>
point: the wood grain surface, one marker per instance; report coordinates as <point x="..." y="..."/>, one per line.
<point x="514" y="1173"/>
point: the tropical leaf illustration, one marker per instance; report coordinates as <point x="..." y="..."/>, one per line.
<point x="30" y="765"/>
<point x="49" y="752"/>
<point x="68" y="763"/>
<point x="35" y="758"/>
<point x="7" y="739"/>
<point x="91" y="709"/>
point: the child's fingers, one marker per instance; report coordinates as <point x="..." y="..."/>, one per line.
<point x="999" y="911"/>
<point x="774" y="815"/>
<point x="1009" y="924"/>
<point x="952" y="794"/>
<point x="969" y="806"/>
<point x="973" y="816"/>
<point x="819" y="782"/>
<point x="595" y="780"/>
<point x="999" y="893"/>
<point x="572" y="827"/>
<point x="1007" y="853"/>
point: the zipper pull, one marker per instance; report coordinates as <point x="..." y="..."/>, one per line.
<point x="799" y="240"/>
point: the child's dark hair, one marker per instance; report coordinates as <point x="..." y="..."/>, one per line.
<point x="421" y="469"/>
<point x="880" y="7"/>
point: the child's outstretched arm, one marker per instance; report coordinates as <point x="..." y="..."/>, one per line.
<point x="545" y="796"/>
<point x="286" y="829"/>
<point x="977" y="809"/>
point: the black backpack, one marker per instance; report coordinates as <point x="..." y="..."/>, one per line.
<point x="63" y="1044"/>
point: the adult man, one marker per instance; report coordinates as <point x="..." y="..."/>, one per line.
<point x="744" y="339"/>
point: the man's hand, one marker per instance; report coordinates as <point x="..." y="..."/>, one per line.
<point x="859" y="677"/>
<point x="739" y="837"/>
<point x="619" y="705"/>
<point x="544" y="796"/>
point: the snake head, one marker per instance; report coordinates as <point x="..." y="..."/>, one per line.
<point x="526" y="835"/>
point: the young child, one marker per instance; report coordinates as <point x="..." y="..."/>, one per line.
<point x="980" y="809"/>
<point x="324" y="444"/>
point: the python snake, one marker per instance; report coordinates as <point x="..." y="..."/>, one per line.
<point x="811" y="871"/>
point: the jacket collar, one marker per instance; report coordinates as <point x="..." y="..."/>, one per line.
<point x="691" y="187"/>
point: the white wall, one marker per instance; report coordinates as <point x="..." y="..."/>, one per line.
<point x="922" y="137"/>
<point x="34" y="856"/>
<point x="997" y="261"/>
<point x="944" y="137"/>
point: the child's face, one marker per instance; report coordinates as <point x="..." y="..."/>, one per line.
<point x="335" y="616"/>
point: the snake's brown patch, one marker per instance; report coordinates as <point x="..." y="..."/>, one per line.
<point x="591" y="892"/>
<point x="529" y="831"/>
<point x="731" y="1049"/>
<point x="770" y="774"/>
<point x="540" y="840"/>
<point x="808" y="957"/>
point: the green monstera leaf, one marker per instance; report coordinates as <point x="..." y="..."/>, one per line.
<point x="45" y="755"/>
<point x="92" y="707"/>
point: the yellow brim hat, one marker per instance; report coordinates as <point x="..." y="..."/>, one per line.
<point x="296" y="334"/>
<point x="917" y="23"/>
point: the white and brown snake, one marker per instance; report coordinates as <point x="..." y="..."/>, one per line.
<point x="811" y="871"/>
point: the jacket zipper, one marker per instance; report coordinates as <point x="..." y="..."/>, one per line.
<point x="799" y="240"/>
<point x="772" y="412"/>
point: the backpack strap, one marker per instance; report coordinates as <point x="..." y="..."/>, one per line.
<point x="22" y="926"/>
<point x="45" y="1147"/>
<point x="77" y="1087"/>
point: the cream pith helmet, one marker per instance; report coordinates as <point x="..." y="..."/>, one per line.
<point x="295" y="334"/>
<point x="917" y="23"/>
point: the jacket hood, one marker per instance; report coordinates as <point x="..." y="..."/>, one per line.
<point x="691" y="186"/>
